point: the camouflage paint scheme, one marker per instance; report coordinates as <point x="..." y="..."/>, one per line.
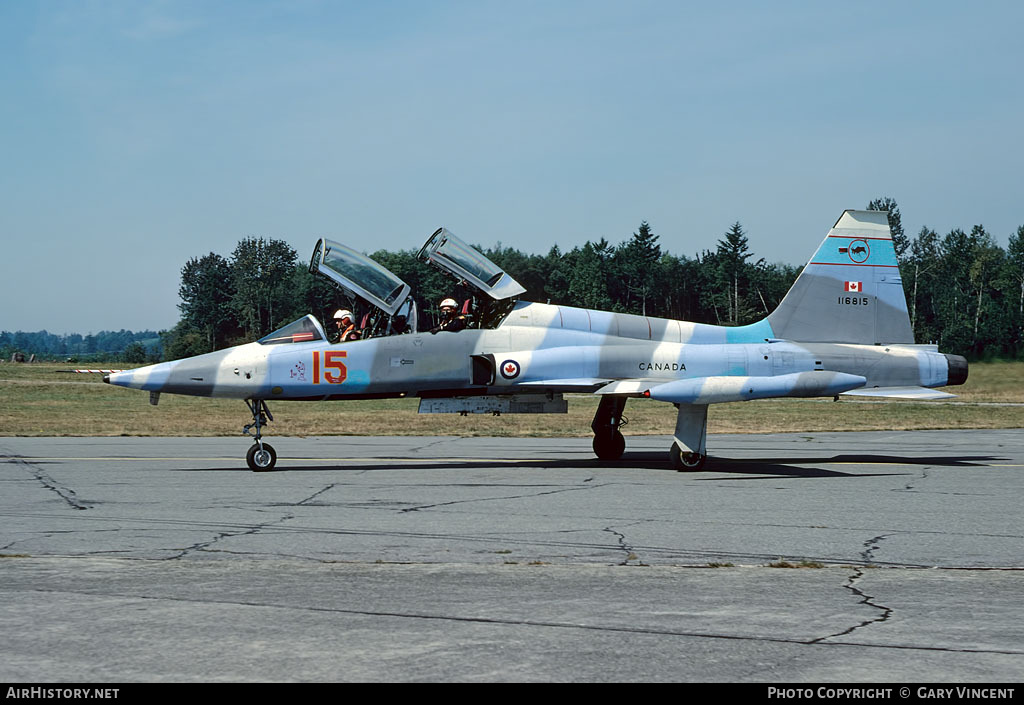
<point x="842" y="327"/>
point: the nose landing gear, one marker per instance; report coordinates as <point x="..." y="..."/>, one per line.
<point x="261" y="456"/>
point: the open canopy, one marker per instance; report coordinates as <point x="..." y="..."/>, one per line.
<point x="359" y="275"/>
<point x="447" y="252"/>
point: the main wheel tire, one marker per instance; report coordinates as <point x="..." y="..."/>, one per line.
<point x="686" y="462"/>
<point x="609" y="447"/>
<point x="261" y="459"/>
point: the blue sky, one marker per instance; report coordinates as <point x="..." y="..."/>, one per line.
<point x="136" y="135"/>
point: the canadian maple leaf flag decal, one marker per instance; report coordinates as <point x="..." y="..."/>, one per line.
<point x="854" y="286"/>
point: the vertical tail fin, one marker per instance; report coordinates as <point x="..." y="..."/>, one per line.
<point x="850" y="291"/>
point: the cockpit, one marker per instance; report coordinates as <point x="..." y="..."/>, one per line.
<point x="304" y="330"/>
<point x="385" y="305"/>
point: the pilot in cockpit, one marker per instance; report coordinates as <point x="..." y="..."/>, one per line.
<point x="450" y="322"/>
<point x="400" y="325"/>
<point x="346" y="326"/>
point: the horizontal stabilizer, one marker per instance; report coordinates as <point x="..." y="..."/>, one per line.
<point x="900" y="393"/>
<point x="716" y="390"/>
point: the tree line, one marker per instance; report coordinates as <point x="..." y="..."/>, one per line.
<point x="964" y="291"/>
<point x="262" y="285"/>
<point x="124" y="345"/>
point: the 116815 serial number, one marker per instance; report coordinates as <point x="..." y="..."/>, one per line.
<point x="852" y="300"/>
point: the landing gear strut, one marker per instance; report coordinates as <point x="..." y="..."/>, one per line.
<point x="608" y="441"/>
<point x="689" y="445"/>
<point x="261" y="457"/>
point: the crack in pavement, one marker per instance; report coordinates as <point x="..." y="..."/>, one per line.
<point x="317" y="494"/>
<point x="661" y="552"/>
<point x="228" y="534"/>
<point x="428" y="446"/>
<point x="493" y="499"/>
<point x="65" y="493"/>
<point x="755" y="525"/>
<point x="628" y="549"/>
<point x="870" y="546"/>
<point x="909" y="487"/>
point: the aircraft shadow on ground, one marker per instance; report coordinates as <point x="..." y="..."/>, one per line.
<point x="742" y="469"/>
<point x="755" y="468"/>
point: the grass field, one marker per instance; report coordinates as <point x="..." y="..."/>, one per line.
<point x="42" y="400"/>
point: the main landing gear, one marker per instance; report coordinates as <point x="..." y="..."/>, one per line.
<point x="608" y="441"/>
<point x="685" y="462"/>
<point x="261" y="457"/>
<point x="690" y="441"/>
<point x="689" y="445"/>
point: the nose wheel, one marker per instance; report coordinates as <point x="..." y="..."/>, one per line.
<point x="261" y="456"/>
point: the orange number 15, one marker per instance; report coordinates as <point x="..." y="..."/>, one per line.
<point x="335" y="371"/>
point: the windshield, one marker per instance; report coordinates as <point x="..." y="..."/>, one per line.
<point x="359" y="275"/>
<point x="304" y="330"/>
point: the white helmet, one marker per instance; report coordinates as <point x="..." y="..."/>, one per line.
<point x="449" y="302"/>
<point x="342" y="313"/>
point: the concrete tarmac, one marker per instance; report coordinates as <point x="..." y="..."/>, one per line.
<point x="501" y="559"/>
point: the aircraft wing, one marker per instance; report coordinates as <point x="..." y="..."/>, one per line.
<point x="605" y="387"/>
<point x="719" y="389"/>
<point x="899" y="393"/>
<point x="630" y="387"/>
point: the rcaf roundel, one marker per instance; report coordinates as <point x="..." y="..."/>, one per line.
<point x="509" y="369"/>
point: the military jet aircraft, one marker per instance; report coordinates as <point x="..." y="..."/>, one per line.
<point x="843" y="328"/>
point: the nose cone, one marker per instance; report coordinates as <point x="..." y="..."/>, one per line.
<point x="194" y="376"/>
<point x="151" y="378"/>
<point x="234" y="372"/>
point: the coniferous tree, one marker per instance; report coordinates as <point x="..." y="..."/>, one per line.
<point x="732" y="256"/>
<point x="924" y="260"/>
<point x="636" y="259"/>
<point x="1015" y="273"/>
<point x="588" y="283"/>
<point x="899" y="239"/>
<point x="986" y="264"/>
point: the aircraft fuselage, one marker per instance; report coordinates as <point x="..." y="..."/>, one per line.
<point x="537" y="348"/>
